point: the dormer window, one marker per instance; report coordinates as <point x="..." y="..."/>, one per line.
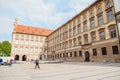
<point x="108" y="5"/>
<point x="99" y="10"/>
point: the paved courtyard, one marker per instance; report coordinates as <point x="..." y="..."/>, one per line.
<point x="61" y="71"/>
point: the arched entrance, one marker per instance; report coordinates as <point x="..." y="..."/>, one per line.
<point x="87" y="56"/>
<point x="24" y="57"/>
<point x="16" y="57"/>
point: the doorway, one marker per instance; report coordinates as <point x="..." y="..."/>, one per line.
<point x="87" y="56"/>
<point x="16" y="57"/>
<point x="24" y="57"/>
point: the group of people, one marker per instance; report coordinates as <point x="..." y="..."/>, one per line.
<point x="8" y="62"/>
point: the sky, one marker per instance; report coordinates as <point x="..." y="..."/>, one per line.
<point x="49" y="14"/>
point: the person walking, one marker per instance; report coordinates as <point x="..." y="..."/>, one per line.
<point x="10" y="62"/>
<point x="37" y="64"/>
<point x="1" y="61"/>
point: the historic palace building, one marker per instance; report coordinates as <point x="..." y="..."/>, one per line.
<point x="28" y="42"/>
<point x="91" y="35"/>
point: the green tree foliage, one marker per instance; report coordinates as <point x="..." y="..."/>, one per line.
<point x="5" y="48"/>
<point x="0" y="48"/>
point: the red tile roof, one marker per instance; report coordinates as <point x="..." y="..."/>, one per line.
<point x="32" y="30"/>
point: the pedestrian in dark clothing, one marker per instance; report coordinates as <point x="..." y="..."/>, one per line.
<point x="1" y="61"/>
<point x="37" y="63"/>
<point x="10" y="62"/>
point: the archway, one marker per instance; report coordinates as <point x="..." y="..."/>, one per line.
<point x="16" y="57"/>
<point x="24" y="57"/>
<point x="87" y="56"/>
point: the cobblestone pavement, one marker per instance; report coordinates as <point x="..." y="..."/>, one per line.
<point x="61" y="71"/>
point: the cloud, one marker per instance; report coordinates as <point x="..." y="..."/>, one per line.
<point x="40" y="13"/>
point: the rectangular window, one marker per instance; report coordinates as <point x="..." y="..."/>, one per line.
<point x="100" y="20"/>
<point x="94" y="52"/>
<point x="74" y="31"/>
<point x="75" y="54"/>
<point x="110" y="16"/>
<point x="113" y="32"/>
<point x="66" y="54"/>
<point x="70" y="43"/>
<point x="92" y="25"/>
<point x="70" y="33"/>
<point x="104" y="52"/>
<point x="115" y="49"/>
<point x="79" y="30"/>
<point x="102" y="35"/>
<point x="79" y="40"/>
<point x="85" y="26"/>
<point x="85" y="39"/>
<point x="75" y="42"/>
<point x="93" y="37"/>
<point x="80" y="53"/>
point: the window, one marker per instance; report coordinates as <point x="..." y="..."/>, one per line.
<point x="74" y="31"/>
<point x="79" y="20"/>
<point x="110" y="16"/>
<point x="94" y="52"/>
<point x="100" y="20"/>
<point x="99" y="10"/>
<point x="86" y="39"/>
<point x="113" y="32"/>
<point x="75" y="54"/>
<point x="60" y="55"/>
<point x="108" y="5"/>
<point x="75" y="42"/>
<point x="104" y="52"/>
<point x="70" y="33"/>
<point x="79" y="30"/>
<point x="93" y="35"/>
<point x="26" y="49"/>
<point x="15" y="49"/>
<point x="70" y="54"/>
<point x="102" y="35"/>
<point x="70" y="42"/>
<point x="80" y="53"/>
<point x="36" y="49"/>
<point x="66" y="54"/>
<point x="16" y="42"/>
<point x="92" y="25"/>
<point x="85" y="26"/>
<point x="115" y="49"/>
<point x="21" y="49"/>
<point x="31" y="49"/>
<point x="74" y="23"/>
<point x="79" y="40"/>
<point x="91" y="14"/>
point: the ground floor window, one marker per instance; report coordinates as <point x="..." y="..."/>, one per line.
<point x="66" y="54"/>
<point x="115" y="49"/>
<point x="75" y="54"/>
<point x="104" y="52"/>
<point x="80" y="53"/>
<point x="70" y="54"/>
<point x="94" y="52"/>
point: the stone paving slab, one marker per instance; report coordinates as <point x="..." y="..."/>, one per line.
<point x="62" y="71"/>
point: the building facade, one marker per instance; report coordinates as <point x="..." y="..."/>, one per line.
<point x="28" y="42"/>
<point x="91" y="35"/>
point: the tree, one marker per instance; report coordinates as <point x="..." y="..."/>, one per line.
<point x="0" y="49"/>
<point x="6" y="48"/>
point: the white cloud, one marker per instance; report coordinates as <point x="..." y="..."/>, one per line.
<point x="37" y="12"/>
